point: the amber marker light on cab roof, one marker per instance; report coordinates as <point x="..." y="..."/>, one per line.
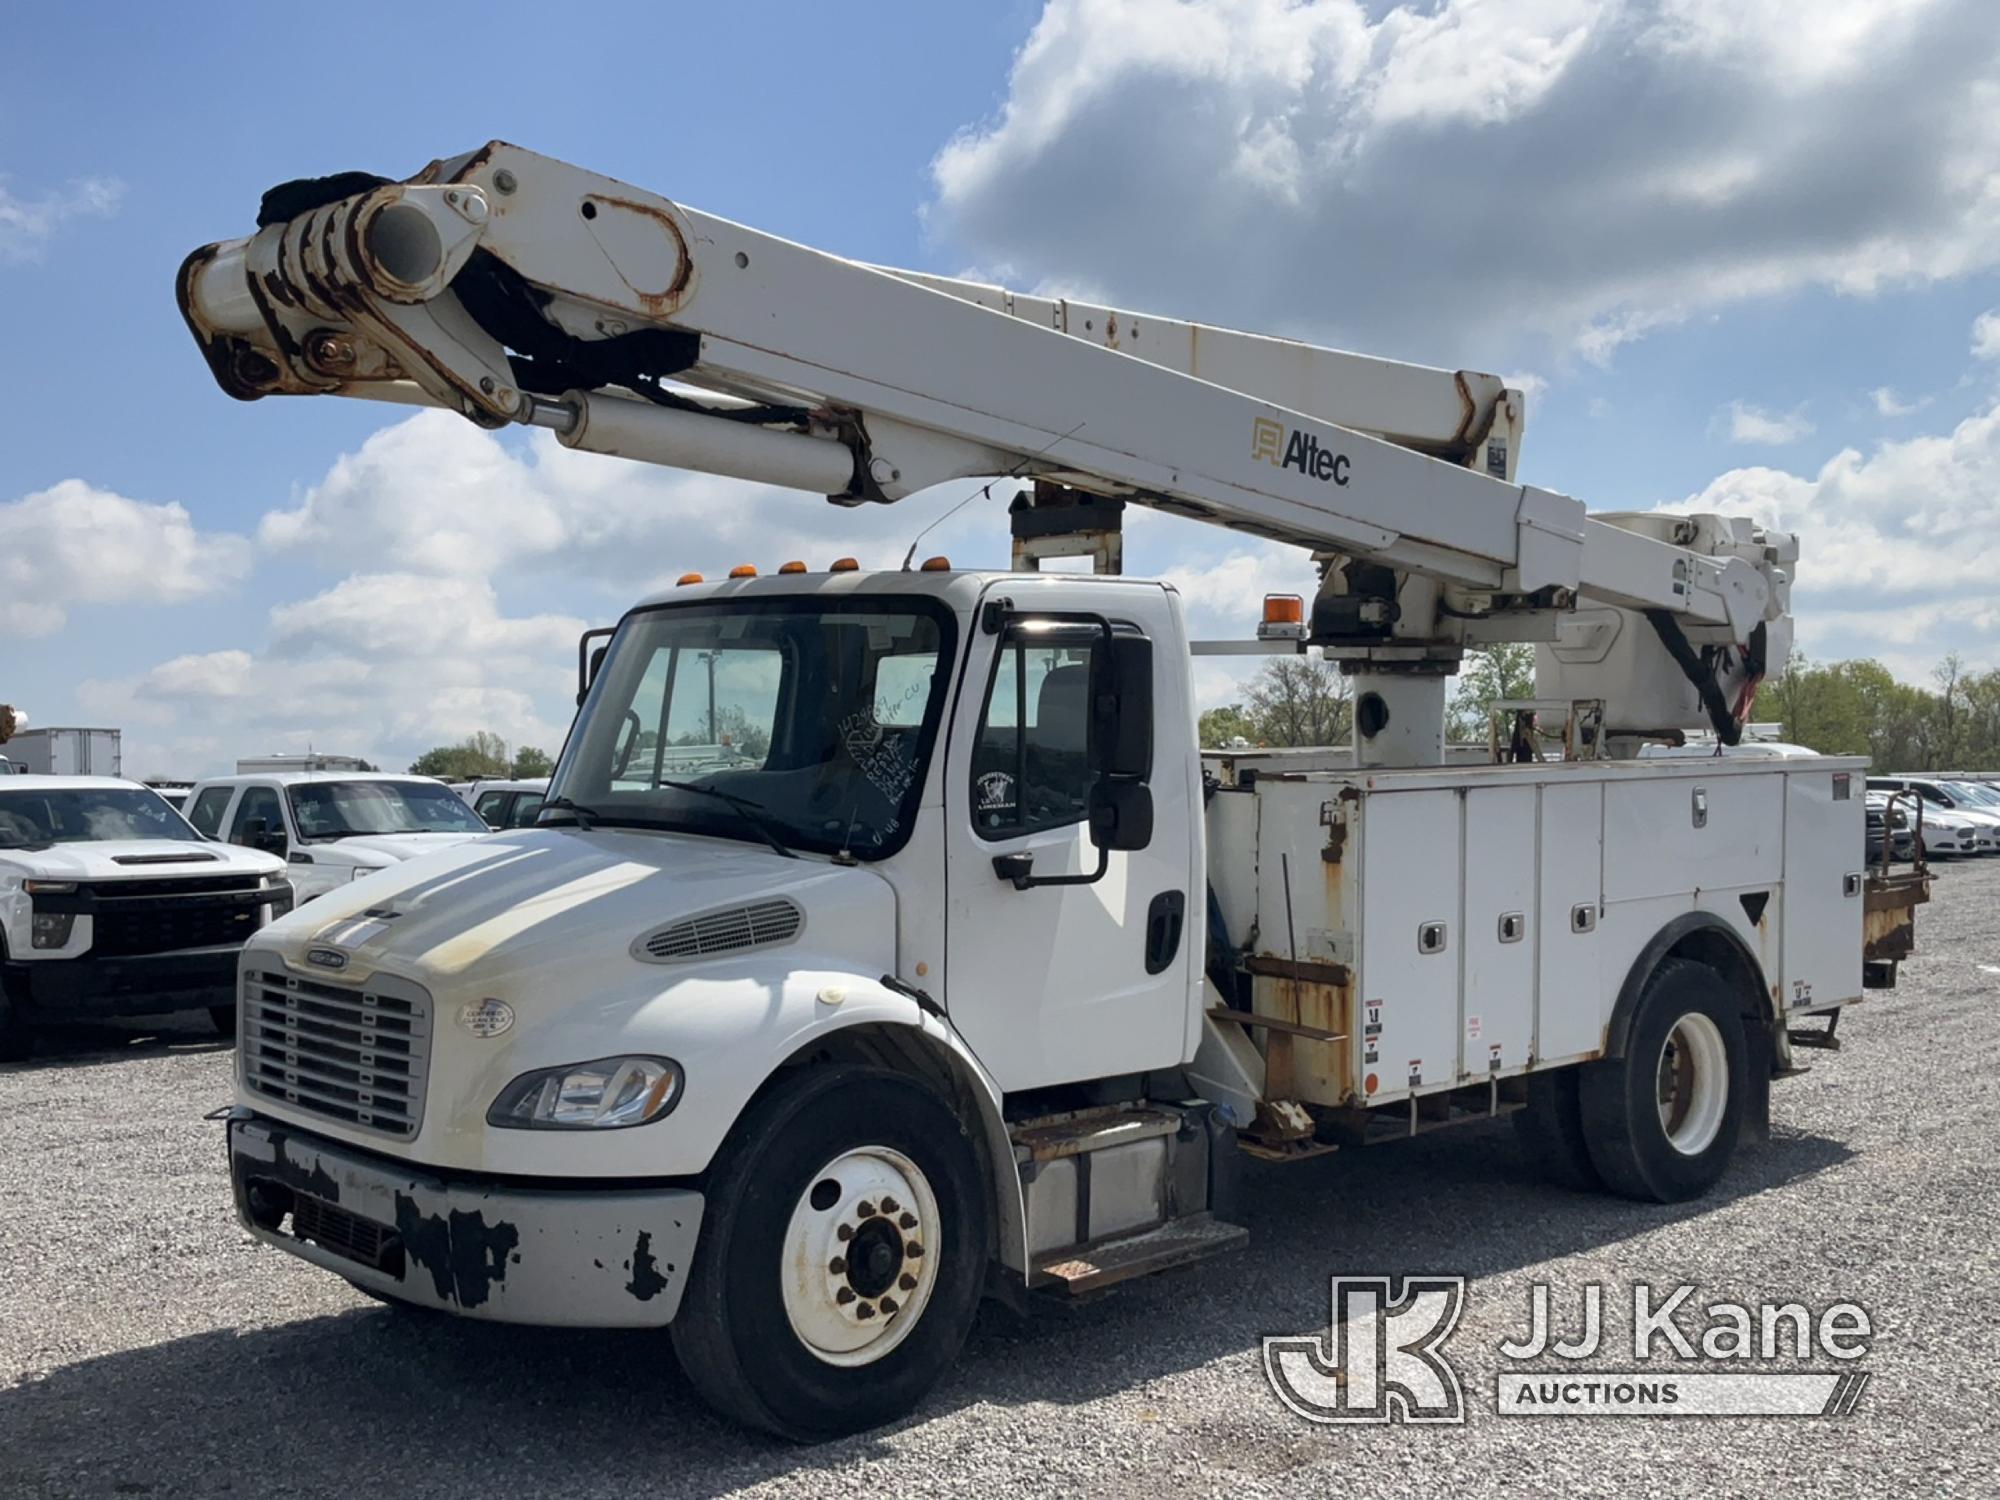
<point x="937" y="565"/>
<point x="844" y="565"/>
<point x="687" y="578"/>
<point x="1284" y="618"/>
<point x="791" y="567"/>
<point x="743" y="570"/>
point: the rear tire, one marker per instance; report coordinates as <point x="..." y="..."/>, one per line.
<point x="841" y="1163"/>
<point x="1550" y="1130"/>
<point x="1662" y="1121"/>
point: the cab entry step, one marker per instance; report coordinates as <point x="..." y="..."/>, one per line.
<point x="1093" y="1268"/>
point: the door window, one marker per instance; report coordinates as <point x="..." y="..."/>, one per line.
<point x="526" y="806"/>
<point x="206" y="814"/>
<point x="492" y="806"/>
<point x="258" y="802"/>
<point x="1031" y="764"/>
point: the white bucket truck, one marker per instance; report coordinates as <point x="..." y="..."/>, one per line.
<point x="963" y="976"/>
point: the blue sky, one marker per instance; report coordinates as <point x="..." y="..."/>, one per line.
<point x="1720" y="253"/>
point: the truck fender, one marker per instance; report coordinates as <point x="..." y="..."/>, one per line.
<point x="1707" y="939"/>
<point x="926" y="1043"/>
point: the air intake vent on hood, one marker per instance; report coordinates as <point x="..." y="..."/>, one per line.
<point x="761" y="924"/>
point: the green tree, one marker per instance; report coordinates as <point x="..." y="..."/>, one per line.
<point x="478" y="755"/>
<point x="530" y="762"/>
<point x="1490" y="674"/>
<point x="1298" y="700"/>
<point x="1221" y="727"/>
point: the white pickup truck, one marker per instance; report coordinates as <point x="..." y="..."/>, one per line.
<point x="332" y="827"/>
<point x="111" y="905"/>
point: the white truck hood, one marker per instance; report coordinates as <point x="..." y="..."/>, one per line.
<point x="386" y="848"/>
<point x="560" y="907"/>
<point x="136" y="859"/>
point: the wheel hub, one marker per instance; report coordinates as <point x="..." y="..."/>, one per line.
<point x="857" y="1265"/>
<point x="1692" y="1083"/>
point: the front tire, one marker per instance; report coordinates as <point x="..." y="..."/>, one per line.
<point x="17" y="1037"/>
<point x="842" y="1251"/>
<point x="1662" y="1122"/>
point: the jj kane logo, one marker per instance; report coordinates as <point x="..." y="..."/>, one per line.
<point x="1382" y="1357"/>
<point x="1290" y="448"/>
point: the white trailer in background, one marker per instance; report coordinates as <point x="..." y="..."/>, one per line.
<point x="63" y="751"/>
<point x="964" y="974"/>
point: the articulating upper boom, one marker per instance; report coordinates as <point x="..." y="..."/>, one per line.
<point x="514" y="288"/>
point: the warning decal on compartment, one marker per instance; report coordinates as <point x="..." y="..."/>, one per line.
<point x="1416" y="1071"/>
<point x="1472" y="1027"/>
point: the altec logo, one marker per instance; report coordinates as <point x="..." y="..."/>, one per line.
<point x="1290" y="448"/>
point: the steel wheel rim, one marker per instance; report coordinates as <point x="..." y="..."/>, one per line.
<point x="1692" y="1083"/>
<point x="860" y="1256"/>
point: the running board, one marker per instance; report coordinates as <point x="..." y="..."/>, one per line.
<point x="1179" y="1242"/>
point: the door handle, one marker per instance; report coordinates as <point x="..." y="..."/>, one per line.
<point x="1164" y="920"/>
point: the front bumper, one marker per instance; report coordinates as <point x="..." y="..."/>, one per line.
<point x="147" y="984"/>
<point x="556" y="1257"/>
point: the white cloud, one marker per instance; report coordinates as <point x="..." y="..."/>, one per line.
<point x="1889" y="404"/>
<point x="73" y="544"/>
<point x="1752" y="424"/>
<point x="380" y="665"/>
<point x="1986" y="335"/>
<point x="1438" y="180"/>
<point x="439" y="496"/>
<point x="28" y="224"/>
<point x="1900" y="547"/>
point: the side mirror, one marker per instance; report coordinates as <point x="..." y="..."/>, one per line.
<point x="1121" y="814"/>
<point x="1121" y="707"/>
<point x="588" y="661"/>
<point x="257" y="833"/>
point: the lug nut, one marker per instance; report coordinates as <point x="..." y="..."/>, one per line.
<point x="890" y="1205"/>
<point x="865" y="1310"/>
<point x="888" y="1306"/>
<point x="844" y="1296"/>
<point x="844" y="1232"/>
<point x="908" y="1221"/>
<point x="913" y="1250"/>
<point x="838" y="1265"/>
<point x="865" y="1209"/>
<point x="909" y="1282"/>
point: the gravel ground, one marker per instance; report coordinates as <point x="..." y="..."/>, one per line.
<point x="148" y="1348"/>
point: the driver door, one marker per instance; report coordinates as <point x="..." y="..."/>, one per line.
<point x="1058" y="983"/>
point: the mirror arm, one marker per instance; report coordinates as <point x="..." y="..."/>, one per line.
<point x="1015" y="869"/>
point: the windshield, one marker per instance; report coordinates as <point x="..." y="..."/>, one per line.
<point x="341" y="809"/>
<point x="801" y="721"/>
<point x="1978" y="793"/>
<point x="87" y="815"/>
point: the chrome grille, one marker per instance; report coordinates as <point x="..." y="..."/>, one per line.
<point x="359" y="1055"/>
<point x="760" y="924"/>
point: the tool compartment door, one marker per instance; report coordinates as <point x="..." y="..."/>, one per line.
<point x="1822" y="900"/>
<point x="1498" y="1016"/>
<point x="1410" y="886"/>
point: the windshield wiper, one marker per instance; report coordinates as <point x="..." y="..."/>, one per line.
<point x="754" y="814"/>
<point x="584" y="817"/>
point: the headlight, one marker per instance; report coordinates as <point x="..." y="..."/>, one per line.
<point x="359" y="870"/>
<point x="602" y="1095"/>
<point x="50" y="929"/>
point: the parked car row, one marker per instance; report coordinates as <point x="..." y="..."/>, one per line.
<point x="114" y="903"/>
<point x="1956" y="817"/>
